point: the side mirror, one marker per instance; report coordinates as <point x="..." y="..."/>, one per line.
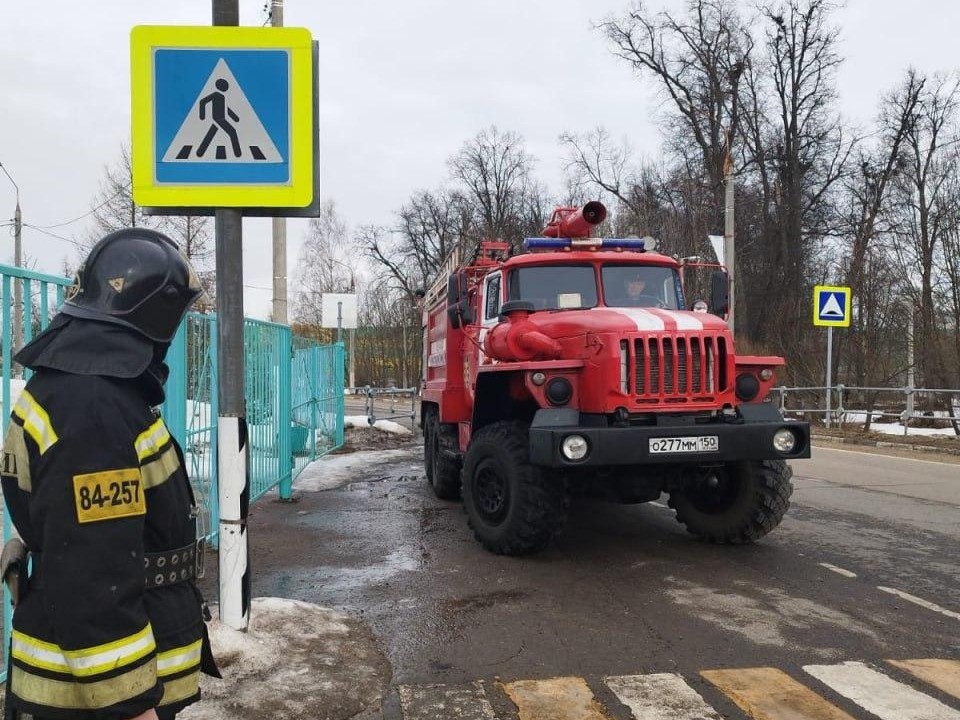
<point x="458" y="301"/>
<point x="720" y="293"/>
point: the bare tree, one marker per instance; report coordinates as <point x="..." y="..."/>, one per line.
<point x="115" y="209"/>
<point x="493" y="170"/>
<point x="697" y="60"/>
<point x="113" y="205"/>
<point x="324" y="264"/>
<point x="869" y="274"/>
<point x="799" y="153"/>
<point x="926" y="209"/>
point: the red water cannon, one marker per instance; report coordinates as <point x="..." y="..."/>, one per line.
<point x="519" y="339"/>
<point x="574" y="222"/>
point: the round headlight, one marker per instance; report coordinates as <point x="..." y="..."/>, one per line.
<point x="538" y="378"/>
<point x="766" y="374"/>
<point x="574" y="447"/>
<point x="559" y="391"/>
<point x="784" y="440"/>
<point x="747" y="387"/>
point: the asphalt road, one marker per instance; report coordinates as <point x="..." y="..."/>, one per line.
<point x="632" y="614"/>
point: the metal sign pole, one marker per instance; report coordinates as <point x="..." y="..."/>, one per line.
<point x="829" y="370"/>
<point x="233" y="485"/>
<point x="339" y="319"/>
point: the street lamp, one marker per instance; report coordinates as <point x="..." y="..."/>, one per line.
<point x="18" y="262"/>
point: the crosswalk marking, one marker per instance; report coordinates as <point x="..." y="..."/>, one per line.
<point x="429" y="702"/>
<point x="661" y="696"/>
<point x="762" y="693"/>
<point x="942" y="674"/>
<point x="564" y="698"/>
<point x="770" y="694"/>
<point x="879" y="694"/>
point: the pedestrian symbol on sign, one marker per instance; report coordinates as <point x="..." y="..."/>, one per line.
<point x="222" y="112"/>
<point x="831" y="309"/>
<point x="831" y="306"/>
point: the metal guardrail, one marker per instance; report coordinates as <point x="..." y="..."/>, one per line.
<point x="878" y="403"/>
<point x="391" y="397"/>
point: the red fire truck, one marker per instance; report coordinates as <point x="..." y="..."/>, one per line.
<point x="576" y="368"/>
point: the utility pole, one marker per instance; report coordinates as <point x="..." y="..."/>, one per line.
<point x="232" y="436"/>
<point x="17" y="282"/>
<point x="18" y="262"/>
<point x="280" y="314"/>
<point x="728" y="249"/>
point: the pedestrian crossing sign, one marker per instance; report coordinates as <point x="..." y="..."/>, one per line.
<point x="831" y="306"/>
<point x="222" y="117"/>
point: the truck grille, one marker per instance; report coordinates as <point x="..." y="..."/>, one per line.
<point x="679" y="368"/>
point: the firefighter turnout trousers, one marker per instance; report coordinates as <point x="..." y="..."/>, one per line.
<point x="111" y="621"/>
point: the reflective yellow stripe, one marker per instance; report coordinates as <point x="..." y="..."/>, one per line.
<point x="74" y="695"/>
<point x="170" y="662"/>
<point x="86" y="662"/>
<point x="151" y="440"/>
<point x="36" y="421"/>
<point x="16" y="461"/>
<point x="159" y="469"/>
<point x="181" y="688"/>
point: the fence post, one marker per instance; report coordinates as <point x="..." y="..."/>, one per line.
<point x="314" y="385"/>
<point x="285" y="413"/>
<point x="840" y="407"/>
<point x="338" y="377"/>
<point x="175" y="406"/>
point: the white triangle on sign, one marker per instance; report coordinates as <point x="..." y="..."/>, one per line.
<point x="222" y="126"/>
<point x="831" y="308"/>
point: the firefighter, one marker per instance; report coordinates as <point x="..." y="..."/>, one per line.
<point x="110" y="624"/>
<point x="634" y="291"/>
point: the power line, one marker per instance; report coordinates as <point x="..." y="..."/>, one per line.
<point x="124" y="189"/>
<point x="76" y="244"/>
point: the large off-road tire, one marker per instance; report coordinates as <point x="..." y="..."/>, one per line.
<point x="748" y="501"/>
<point x="440" y="457"/>
<point x="511" y="506"/>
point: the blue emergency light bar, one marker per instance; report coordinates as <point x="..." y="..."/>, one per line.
<point x="543" y="243"/>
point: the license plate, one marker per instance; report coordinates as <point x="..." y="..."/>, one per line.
<point x="701" y="444"/>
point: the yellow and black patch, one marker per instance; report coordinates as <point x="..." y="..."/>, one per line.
<point x="109" y="495"/>
<point x="15" y="462"/>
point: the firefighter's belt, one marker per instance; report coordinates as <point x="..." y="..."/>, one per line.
<point x="159" y="569"/>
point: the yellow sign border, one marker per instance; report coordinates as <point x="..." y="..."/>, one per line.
<point x="848" y="299"/>
<point x="146" y="191"/>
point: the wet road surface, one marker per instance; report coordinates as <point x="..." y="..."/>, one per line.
<point x="627" y="607"/>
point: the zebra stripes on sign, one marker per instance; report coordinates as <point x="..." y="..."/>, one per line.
<point x="760" y="693"/>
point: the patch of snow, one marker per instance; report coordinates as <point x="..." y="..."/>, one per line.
<point x="333" y="471"/>
<point x="296" y="660"/>
<point x="387" y="426"/>
<point x="859" y="417"/>
<point x="897" y="429"/>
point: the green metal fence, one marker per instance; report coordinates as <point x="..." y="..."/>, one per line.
<point x="294" y="396"/>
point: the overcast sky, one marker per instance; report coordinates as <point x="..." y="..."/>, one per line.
<point x="403" y="83"/>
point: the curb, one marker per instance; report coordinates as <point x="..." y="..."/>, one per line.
<point x="834" y="440"/>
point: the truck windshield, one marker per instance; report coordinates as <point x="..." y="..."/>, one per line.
<point x="555" y="287"/>
<point x="641" y="286"/>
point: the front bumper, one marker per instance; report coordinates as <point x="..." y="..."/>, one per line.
<point x="738" y="440"/>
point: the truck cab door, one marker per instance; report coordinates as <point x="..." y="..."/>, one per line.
<point x="490" y="308"/>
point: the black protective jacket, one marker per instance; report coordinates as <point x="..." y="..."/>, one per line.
<point x="95" y="486"/>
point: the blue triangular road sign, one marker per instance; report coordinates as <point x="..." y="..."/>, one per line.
<point x="832" y="306"/>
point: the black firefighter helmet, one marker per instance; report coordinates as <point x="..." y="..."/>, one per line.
<point x="137" y="278"/>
